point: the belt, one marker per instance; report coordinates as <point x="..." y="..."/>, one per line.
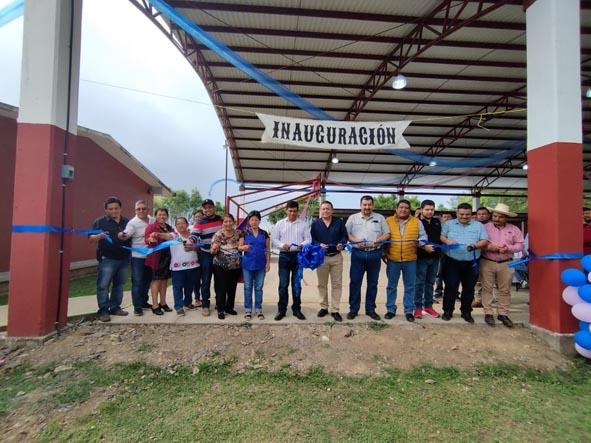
<point x="497" y="261"/>
<point x="369" y="249"/>
<point x="332" y="254"/>
<point x="288" y="252"/>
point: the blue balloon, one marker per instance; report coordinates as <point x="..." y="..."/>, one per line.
<point x="585" y="293"/>
<point x="583" y="339"/>
<point x="584" y="326"/>
<point x="586" y="262"/>
<point x="573" y="277"/>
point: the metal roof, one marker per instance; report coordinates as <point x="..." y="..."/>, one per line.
<point x="328" y="52"/>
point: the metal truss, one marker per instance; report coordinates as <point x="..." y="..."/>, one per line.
<point x="414" y="44"/>
<point x="508" y="101"/>
<point x="499" y="171"/>
<point x="187" y="47"/>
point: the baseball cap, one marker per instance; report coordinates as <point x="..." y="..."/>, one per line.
<point x="207" y="201"/>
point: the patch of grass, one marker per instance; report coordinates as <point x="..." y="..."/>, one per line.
<point x="377" y="326"/>
<point x="144" y="347"/>
<point x="490" y="403"/>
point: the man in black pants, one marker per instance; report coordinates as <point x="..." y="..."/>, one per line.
<point x="461" y="265"/>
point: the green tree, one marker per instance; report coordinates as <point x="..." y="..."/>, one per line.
<point x="180" y="203"/>
<point x="383" y="201"/>
<point x="517" y="204"/>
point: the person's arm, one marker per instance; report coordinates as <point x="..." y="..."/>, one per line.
<point x="215" y="243"/>
<point x="349" y="228"/>
<point x="423" y="239"/>
<point x="127" y="232"/>
<point x="95" y="238"/>
<point x="314" y="233"/>
<point x="276" y="237"/>
<point x="483" y="241"/>
<point x="343" y="236"/>
<point x="445" y="234"/>
<point x="385" y="231"/>
<point x="517" y="245"/>
<point x="268" y="254"/>
<point x="306" y="234"/>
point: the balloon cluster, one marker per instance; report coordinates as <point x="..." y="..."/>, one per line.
<point x="578" y="295"/>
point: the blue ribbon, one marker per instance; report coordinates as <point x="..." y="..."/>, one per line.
<point x="226" y="53"/>
<point x="311" y="256"/>
<point x="49" y="229"/>
<point x="556" y="256"/>
<point x="11" y="12"/>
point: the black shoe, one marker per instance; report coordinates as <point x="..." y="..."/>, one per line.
<point x="299" y="315"/>
<point x="166" y="308"/>
<point x="221" y="315"/>
<point x="351" y="315"/>
<point x="231" y="312"/>
<point x="446" y="316"/>
<point x="157" y="311"/>
<point x="190" y="307"/>
<point x="138" y="312"/>
<point x="279" y="316"/>
<point x="147" y="306"/>
<point x="505" y="320"/>
<point x="374" y="316"/>
<point x="390" y="315"/>
<point x="468" y="317"/>
<point x="489" y="319"/>
<point x="336" y="316"/>
<point x="323" y="313"/>
<point x="410" y="317"/>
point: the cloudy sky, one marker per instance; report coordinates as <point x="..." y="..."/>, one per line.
<point x="135" y="86"/>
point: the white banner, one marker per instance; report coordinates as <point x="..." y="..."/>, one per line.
<point x="328" y="134"/>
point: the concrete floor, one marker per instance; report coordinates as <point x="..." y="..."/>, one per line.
<point x="310" y="305"/>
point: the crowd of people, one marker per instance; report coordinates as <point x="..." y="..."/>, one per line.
<point x="435" y="255"/>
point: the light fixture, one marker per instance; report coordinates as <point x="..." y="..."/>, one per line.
<point x="432" y="163"/>
<point x="334" y="160"/>
<point x="588" y="93"/>
<point x="524" y="167"/>
<point x="399" y="82"/>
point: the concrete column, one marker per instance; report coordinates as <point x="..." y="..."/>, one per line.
<point x="554" y="151"/>
<point x="475" y="202"/>
<point x="46" y="139"/>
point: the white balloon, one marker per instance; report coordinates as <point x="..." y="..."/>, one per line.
<point x="584" y="352"/>
<point x="570" y="295"/>
<point x="582" y="311"/>
<point x="589" y="277"/>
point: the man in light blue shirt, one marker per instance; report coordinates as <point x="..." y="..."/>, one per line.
<point x="460" y="265"/>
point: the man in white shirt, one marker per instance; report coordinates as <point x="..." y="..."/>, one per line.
<point x="367" y="230"/>
<point x="141" y="275"/>
<point x="289" y="235"/>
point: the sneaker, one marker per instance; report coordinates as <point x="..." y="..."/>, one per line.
<point x="430" y="311"/>
<point x="166" y="308"/>
<point x="489" y="319"/>
<point x="138" y="312"/>
<point x="180" y="312"/>
<point x="205" y="312"/>
<point x="248" y="316"/>
<point x="505" y="320"/>
<point x="260" y="315"/>
<point x="104" y="317"/>
<point x="197" y="303"/>
<point x="191" y="307"/>
<point x="119" y="312"/>
<point x="418" y="313"/>
<point x="390" y="315"/>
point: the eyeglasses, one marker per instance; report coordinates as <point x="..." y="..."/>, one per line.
<point x="141" y="209"/>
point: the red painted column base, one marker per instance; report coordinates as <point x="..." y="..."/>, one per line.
<point x="555" y="201"/>
<point x="34" y="297"/>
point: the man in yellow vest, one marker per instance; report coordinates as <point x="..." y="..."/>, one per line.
<point x="406" y="234"/>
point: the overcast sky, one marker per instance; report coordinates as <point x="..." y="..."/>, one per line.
<point x="123" y="53"/>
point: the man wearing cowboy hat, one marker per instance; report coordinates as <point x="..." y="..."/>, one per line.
<point x="504" y="239"/>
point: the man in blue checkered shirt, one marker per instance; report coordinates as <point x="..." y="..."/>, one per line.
<point x="460" y="265"/>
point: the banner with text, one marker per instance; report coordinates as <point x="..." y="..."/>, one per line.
<point x="329" y="134"/>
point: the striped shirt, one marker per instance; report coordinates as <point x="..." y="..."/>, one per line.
<point x="204" y="230"/>
<point x="464" y="234"/>
<point x="291" y="233"/>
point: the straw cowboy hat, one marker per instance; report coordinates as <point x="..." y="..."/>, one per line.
<point x="502" y="208"/>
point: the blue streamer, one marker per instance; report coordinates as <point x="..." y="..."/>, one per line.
<point x="226" y="53"/>
<point x="556" y="256"/>
<point x="49" y="229"/>
<point x="11" y="12"/>
<point x="311" y="256"/>
<point x="221" y="180"/>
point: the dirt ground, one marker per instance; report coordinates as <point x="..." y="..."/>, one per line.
<point x="354" y="349"/>
<point x="359" y="349"/>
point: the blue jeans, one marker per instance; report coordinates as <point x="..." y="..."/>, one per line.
<point x="141" y="276"/>
<point x="206" y="262"/>
<point x="427" y="269"/>
<point x="115" y="272"/>
<point x="288" y="270"/>
<point x="182" y="287"/>
<point x="364" y="262"/>
<point x="409" y="276"/>
<point x="253" y="280"/>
